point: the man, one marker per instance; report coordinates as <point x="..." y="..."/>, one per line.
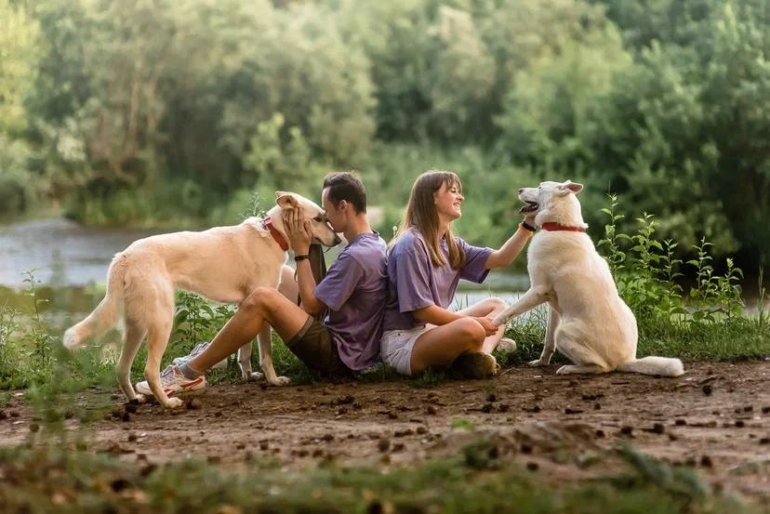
<point x="354" y="292"/>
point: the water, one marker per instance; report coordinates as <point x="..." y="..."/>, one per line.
<point x="61" y="252"/>
<point x="68" y="260"/>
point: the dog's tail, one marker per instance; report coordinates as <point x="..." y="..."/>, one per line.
<point x="106" y="314"/>
<point x="660" y="366"/>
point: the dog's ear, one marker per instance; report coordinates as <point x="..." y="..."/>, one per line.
<point x="570" y="187"/>
<point x="285" y="200"/>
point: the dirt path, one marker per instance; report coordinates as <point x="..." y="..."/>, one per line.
<point x="716" y="418"/>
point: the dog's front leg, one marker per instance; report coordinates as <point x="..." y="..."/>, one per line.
<point x="244" y="362"/>
<point x="244" y="355"/>
<point x="528" y="301"/>
<point x="266" y="360"/>
<point x="549" y="344"/>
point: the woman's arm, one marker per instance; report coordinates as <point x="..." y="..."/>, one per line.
<point x="510" y="249"/>
<point x="435" y="315"/>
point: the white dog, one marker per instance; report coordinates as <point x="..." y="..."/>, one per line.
<point x="587" y="321"/>
<point x="223" y="264"/>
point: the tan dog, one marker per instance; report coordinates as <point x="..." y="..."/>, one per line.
<point x="587" y="320"/>
<point x="223" y="264"/>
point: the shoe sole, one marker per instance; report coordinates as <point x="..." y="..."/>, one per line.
<point x="476" y="365"/>
<point x="196" y="387"/>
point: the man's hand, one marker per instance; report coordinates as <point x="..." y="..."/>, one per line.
<point x="297" y="230"/>
<point x="489" y="327"/>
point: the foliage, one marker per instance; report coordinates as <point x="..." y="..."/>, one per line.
<point x="648" y="276"/>
<point x="158" y="112"/>
<point x="18" y="68"/>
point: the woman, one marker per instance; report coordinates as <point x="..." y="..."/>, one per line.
<point x="425" y="263"/>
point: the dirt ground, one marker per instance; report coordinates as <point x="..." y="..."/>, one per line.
<point x="715" y="418"/>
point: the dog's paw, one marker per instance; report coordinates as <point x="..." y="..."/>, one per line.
<point x="255" y="376"/>
<point x="499" y="320"/>
<point x="280" y="381"/>
<point x="140" y="398"/>
<point x="173" y="403"/>
<point x="537" y="364"/>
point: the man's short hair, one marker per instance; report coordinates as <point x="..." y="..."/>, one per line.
<point x="344" y="185"/>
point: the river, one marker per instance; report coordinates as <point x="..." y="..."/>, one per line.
<point x="63" y="255"/>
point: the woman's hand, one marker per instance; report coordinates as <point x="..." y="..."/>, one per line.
<point x="529" y="219"/>
<point x="489" y="327"/>
<point x="297" y="230"/>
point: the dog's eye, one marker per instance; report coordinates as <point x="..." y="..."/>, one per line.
<point x="318" y="218"/>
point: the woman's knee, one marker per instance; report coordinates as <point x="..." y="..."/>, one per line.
<point x="494" y="304"/>
<point x="471" y="331"/>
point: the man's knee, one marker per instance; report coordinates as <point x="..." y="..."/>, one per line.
<point x="259" y="300"/>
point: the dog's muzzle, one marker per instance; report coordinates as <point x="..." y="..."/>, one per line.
<point x="529" y="207"/>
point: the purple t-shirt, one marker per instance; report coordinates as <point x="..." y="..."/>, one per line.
<point x="415" y="283"/>
<point x="355" y="289"/>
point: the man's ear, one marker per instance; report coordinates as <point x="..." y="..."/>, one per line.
<point x="570" y="187"/>
<point x="285" y="200"/>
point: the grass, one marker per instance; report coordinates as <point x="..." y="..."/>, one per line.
<point x="475" y="480"/>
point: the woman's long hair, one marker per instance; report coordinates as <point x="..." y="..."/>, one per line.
<point x="421" y="214"/>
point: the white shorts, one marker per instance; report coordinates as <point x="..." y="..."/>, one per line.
<point x="396" y="348"/>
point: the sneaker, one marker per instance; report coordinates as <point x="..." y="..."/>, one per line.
<point x="475" y="365"/>
<point x="506" y="345"/>
<point x="199" y="348"/>
<point x="173" y="382"/>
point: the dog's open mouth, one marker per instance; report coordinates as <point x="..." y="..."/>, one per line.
<point x="529" y="207"/>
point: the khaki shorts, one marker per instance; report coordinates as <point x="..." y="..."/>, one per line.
<point x="314" y="346"/>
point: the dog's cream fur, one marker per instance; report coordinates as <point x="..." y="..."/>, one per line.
<point x="587" y="320"/>
<point x="224" y="264"/>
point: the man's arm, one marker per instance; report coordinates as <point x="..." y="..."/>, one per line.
<point x="306" y="284"/>
<point x="300" y="237"/>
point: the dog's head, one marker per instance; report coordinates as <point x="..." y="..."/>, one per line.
<point x="553" y="202"/>
<point x="319" y="225"/>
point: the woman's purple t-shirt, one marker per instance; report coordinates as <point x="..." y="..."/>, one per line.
<point x="415" y="283"/>
<point x="355" y="290"/>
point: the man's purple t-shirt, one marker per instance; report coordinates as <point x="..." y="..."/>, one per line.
<point x="355" y="290"/>
<point x="415" y="283"/>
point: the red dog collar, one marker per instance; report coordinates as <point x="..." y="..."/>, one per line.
<point x="555" y="226"/>
<point x="268" y="224"/>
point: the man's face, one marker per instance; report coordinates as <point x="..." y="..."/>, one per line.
<point x="335" y="217"/>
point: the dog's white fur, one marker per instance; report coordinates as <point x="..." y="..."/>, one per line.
<point x="223" y="264"/>
<point x="587" y="320"/>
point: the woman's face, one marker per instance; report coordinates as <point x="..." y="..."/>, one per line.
<point x="448" y="201"/>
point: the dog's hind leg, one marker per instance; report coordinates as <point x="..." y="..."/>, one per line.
<point x="569" y="369"/>
<point x="157" y="340"/>
<point x="155" y="304"/>
<point x="570" y="342"/>
<point x="132" y="339"/>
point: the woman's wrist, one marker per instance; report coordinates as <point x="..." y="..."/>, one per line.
<point x="527" y="228"/>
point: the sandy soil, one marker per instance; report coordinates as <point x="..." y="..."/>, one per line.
<point x="715" y="418"/>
